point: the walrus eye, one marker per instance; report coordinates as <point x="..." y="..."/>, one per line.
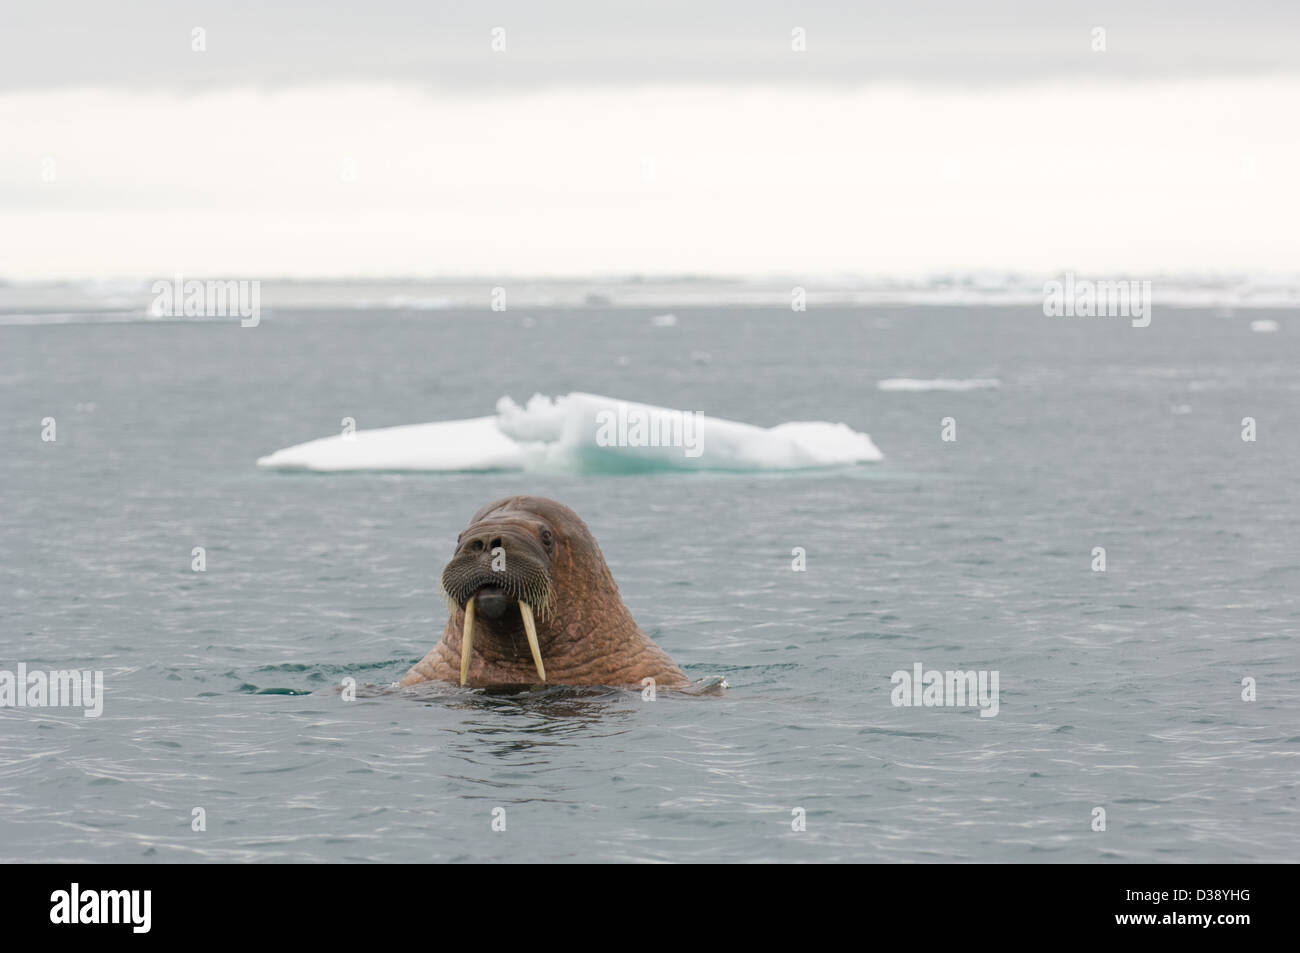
<point x="547" y="538"/>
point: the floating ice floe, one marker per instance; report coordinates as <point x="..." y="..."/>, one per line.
<point x="583" y="433"/>
<point x="942" y="383"/>
<point x="1263" y="326"/>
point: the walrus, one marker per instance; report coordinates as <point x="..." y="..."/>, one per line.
<point x="532" y="602"/>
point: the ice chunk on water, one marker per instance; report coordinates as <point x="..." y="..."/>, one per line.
<point x="583" y="433"/>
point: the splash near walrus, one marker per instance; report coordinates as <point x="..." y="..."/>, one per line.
<point x="532" y="602"/>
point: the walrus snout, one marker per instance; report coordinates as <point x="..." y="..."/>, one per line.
<point x="500" y="566"/>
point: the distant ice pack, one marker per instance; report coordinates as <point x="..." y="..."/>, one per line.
<point x="583" y="433"/>
<point x="941" y="383"/>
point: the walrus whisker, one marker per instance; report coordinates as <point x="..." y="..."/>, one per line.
<point x="467" y="640"/>
<point x="530" y="629"/>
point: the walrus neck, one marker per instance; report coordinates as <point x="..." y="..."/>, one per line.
<point x="504" y="641"/>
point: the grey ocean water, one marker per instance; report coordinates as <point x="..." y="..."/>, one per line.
<point x="1119" y="690"/>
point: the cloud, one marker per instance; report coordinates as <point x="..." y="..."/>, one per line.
<point x="374" y="180"/>
<point x="146" y="44"/>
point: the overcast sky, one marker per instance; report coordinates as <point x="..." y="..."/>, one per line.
<point x="145" y="43"/>
<point x="390" y="138"/>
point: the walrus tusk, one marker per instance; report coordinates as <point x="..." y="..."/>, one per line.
<point x="467" y="640"/>
<point x="530" y="629"/>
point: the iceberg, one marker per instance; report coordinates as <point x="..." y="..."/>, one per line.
<point x="582" y="433"/>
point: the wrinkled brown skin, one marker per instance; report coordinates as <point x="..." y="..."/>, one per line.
<point x="590" y="639"/>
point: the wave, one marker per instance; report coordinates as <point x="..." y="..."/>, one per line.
<point x="582" y="433"/>
<point x="942" y="383"/>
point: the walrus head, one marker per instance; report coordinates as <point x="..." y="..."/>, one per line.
<point x="502" y="573"/>
<point x="528" y="591"/>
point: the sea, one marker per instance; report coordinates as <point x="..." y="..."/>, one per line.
<point x="1101" y="520"/>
